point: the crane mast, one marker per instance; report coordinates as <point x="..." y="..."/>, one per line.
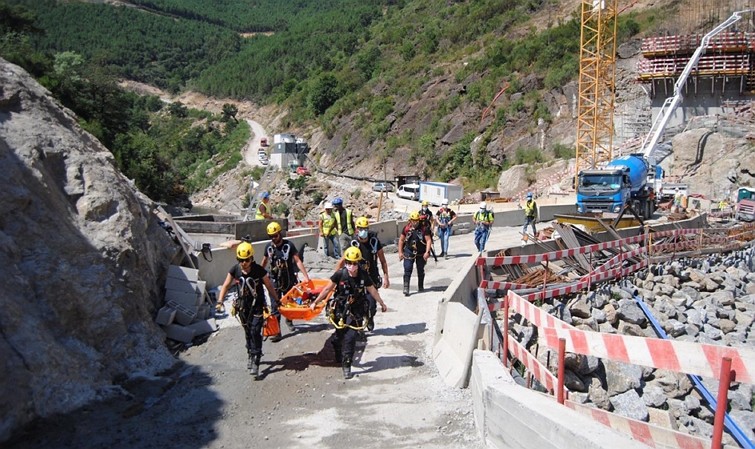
<point x="597" y="73"/>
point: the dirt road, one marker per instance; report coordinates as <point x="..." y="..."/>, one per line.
<point x="395" y="400"/>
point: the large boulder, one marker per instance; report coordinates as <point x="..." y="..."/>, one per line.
<point x="82" y="259"/>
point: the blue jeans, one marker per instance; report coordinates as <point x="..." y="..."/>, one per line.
<point x="529" y="221"/>
<point x="444" y="234"/>
<point x="331" y="247"/>
<point x="481" y="234"/>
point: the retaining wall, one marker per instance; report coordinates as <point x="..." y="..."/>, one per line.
<point x="509" y="416"/>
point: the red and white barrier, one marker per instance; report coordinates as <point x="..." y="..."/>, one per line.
<point x="292" y="224"/>
<point x="679" y="356"/>
<point x="648" y="434"/>
<point x="541" y="373"/>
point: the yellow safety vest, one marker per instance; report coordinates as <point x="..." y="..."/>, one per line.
<point x="348" y="222"/>
<point x="328" y="224"/>
<point x="530" y="209"/>
<point x="259" y="215"/>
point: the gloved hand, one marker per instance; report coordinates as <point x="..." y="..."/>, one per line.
<point x="219" y="307"/>
<point x="233" y="310"/>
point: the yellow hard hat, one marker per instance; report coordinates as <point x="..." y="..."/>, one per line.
<point x="414" y="215"/>
<point x="425" y="203"/>
<point x="362" y="222"/>
<point x="244" y="251"/>
<point x="352" y="254"/>
<point x="273" y="228"/>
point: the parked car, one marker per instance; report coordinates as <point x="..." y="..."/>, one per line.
<point x="409" y="191"/>
<point x="263" y="141"/>
<point x="302" y="171"/>
<point x="382" y="187"/>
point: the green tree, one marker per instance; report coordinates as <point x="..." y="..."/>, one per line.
<point x="229" y="112"/>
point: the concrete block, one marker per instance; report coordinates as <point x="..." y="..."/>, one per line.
<point x="179" y="333"/>
<point x="203" y="312"/>
<point x="188" y="299"/>
<point x="453" y="351"/>
<point x="203" y="326"/>
<point x="165" y="315"/>
<point x="183" y="273"/>
<point x="184" y="315"/>
<point x="180" y="285"/>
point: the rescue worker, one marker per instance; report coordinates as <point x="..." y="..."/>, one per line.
<point x="372" y="253"/>
<point x="264" y="208"/>
<point x="248" y="278"/>
<point x="483" y="220"/>
<point x="347" y="307"/>
<point x="444" y="220"/>
<point x="426" y="220"/>
<point x="344" y="224"/>
<point x="329" y="232"/>
<point x="284" y="260"/>
<point x="530" y="217"/>
<point x="414" y="247"/>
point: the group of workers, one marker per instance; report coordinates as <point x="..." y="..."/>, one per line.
<point x="356" y="279"/>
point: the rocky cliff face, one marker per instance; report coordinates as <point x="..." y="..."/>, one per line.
<point x="82" y="259"/>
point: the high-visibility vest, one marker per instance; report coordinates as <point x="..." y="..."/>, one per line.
<point x="530" y="209"/>
<point x="259" y="215"/>
<point x="486" y="216"/>
<point x="328" y="224"/>
<point x="348" y="222"/>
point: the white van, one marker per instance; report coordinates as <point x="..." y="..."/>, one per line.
<point x="409" y="191"/>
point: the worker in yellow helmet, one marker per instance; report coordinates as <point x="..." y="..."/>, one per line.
<point x="414" y="246"/>
<point x="347" y="309"/>
<point x="285" y="262"/>
<point x="372" y="254"/>
<point x="248" y="278"/>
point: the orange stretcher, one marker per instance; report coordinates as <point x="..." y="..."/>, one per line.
<point x="295" y="304"/>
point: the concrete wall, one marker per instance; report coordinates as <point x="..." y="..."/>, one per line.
<point x="215" y="271"/>
<point x="458" y="327"/>
<point x="509" y="416"/>
<point x="547" y="213"/>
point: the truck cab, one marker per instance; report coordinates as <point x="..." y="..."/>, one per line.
<point x="602" y="191"/>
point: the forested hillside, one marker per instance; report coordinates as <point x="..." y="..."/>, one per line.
<point x="350" y="67"/>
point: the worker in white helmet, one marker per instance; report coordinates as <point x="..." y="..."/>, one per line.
<point x="483" y="220"/>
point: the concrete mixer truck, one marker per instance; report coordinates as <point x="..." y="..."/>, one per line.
<point x="623" y="181"/>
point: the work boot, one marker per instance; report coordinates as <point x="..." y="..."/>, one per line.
<point x="421" y="282"/>
<point x="249" y="362"/>
<point x="290" y="325"/>
<point x="370" y="323"/>
<point x="254" y="370"/>
<point x="276" y="338"/>
<point x="346" y="370"/>
<point x="406" y="285"/>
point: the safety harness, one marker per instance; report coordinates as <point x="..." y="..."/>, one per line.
<point x="348" y="306"/>
<point x="279" y="268"/>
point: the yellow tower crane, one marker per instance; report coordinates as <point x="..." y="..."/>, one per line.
<point x="597" y="74"/>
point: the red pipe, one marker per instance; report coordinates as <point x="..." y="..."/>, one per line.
<point x="505" y="354"/>
<point x="561" y="357"/>
<point x="721" y="403"/>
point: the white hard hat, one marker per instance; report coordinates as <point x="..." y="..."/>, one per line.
<point x="328" y="205"/>
<point x="444" y="202"/>
<point x="483" y="205"/>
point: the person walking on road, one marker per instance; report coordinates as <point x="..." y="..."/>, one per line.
<point x="263" y="208"/>
<point x="347" y="308"/>
<point x="248" y="278"/>
<point x="284" y="260"/>
<point x="414" y="245"/>
<point x="444" y="220"/>
<point x="344" y="224"/>
<point x="329" y="232"/>
<point x="483" y="220"/>
<point x="530" y="217"/>
<point x="372" y="253"/>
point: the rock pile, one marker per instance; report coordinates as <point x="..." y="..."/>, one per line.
<point x="709" y="301"/>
